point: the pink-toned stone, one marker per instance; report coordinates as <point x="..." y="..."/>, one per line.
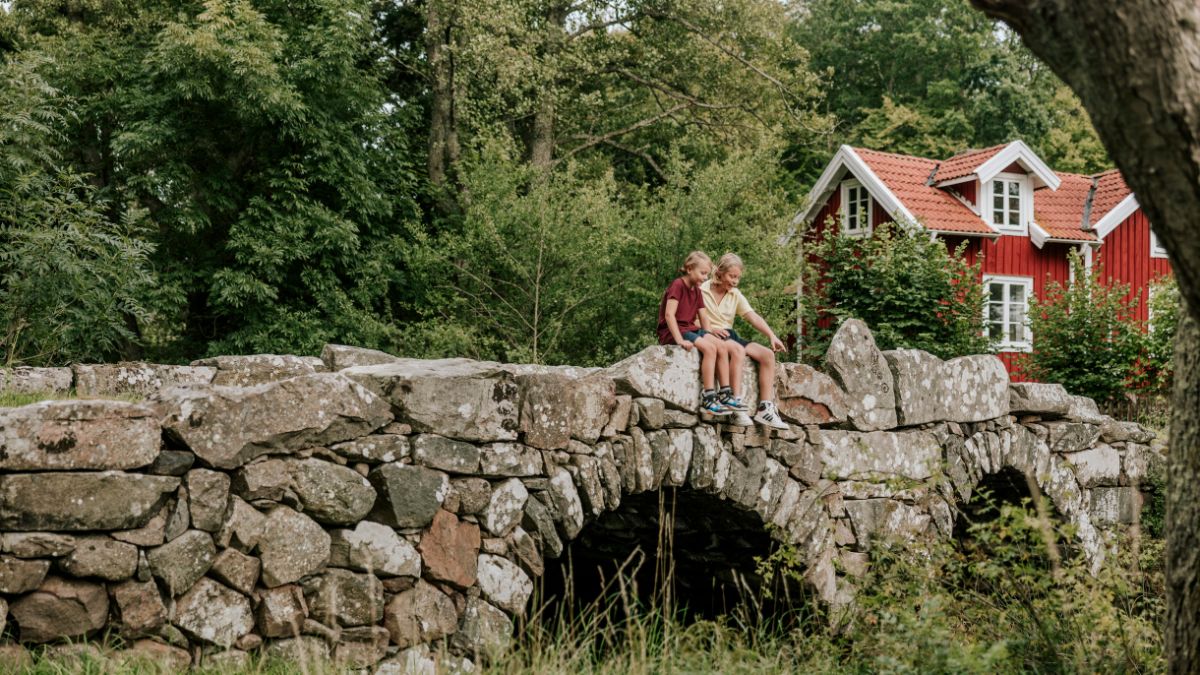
<point x="808" y="396"/>
<point x="140" y="608"/>
<point x="60" y="608"/>
<point x="450" y="550"/>
<point x="419" y="615"/>
<point x="282" y="611"/>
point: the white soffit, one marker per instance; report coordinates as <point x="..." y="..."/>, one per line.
<point x="1116" y="216"/>
<point x="1018" y="152"/>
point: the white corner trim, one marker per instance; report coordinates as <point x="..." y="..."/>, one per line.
<point x="1017" y="151"/>
<point x="1037" y="235"/>
<point x="846" y="157"/>
<point x="1116" y="216"/>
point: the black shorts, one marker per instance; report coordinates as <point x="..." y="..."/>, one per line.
<point x="693" y="335"/>
<point x="737" y="338"/>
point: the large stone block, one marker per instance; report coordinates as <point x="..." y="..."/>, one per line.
<point x="420" y="615"/>
<point x="181" y="562"/>
<point x="509" y="459"/>
<point x="140" y="379"/>
<point x="109" y="500"/>
<point x="341" y="357"/>
<point x="887" y="520"/>
<point x="1037" y="398"/>
<point x="408" y="496"/>
<point x="26" y="380"/>
<point x="665" y="372"/>
<point x="863" y="373"/>
<point x="485" y="631"/>
<point x="140" y="608"/>
<point x="340" y="597"/>
<point x="1097" y="466"/>
<point x="75" y="434"/>
<point x="965" y="389"/>
<point x="228" y="426"/>
<point x="444" y="454"/>
<point x="449" y="549"/>
<point x="456" y="398"/>
<point x="1115" y="506"/>
<point x="60" y="608"/>
<point x="504" y="584"/>
<point x="213" y="613"/>
<point x="879" y="455"/>
<point x="292" y="547"/>
<point x="21" y="576"/>
<point x="208" y="498"/>
<point x="805" y="395"/>
<point x="101" y="557"/>
<point x="331" y="493"/>
<point x="375" y="548"/>
<point x="255" y="369"/>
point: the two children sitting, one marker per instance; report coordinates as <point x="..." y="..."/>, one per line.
<point x="696" y="312"/>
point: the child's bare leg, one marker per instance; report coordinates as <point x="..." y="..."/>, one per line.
<point x="766" y="370"/>
<point x="708" y="360"/>
<point x="722" y="362"/>
<point x="737" y="356"/>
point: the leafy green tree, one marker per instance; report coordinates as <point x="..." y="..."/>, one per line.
<point x="911" y="290"/>
<point x="1084" y="335"/>
<point x="1157" y="362"/>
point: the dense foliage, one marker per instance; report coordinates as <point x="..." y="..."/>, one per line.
<point x="515" y="179"/>
<point x="911" y="290"/>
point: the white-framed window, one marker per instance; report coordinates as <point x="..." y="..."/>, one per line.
<point x="1009" y="205"/>
<point x="1006" y="317"/>
<point x="856" y="209"/>
<point x="1156" y="247"/>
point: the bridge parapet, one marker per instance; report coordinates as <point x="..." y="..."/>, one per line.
<point x="383" y="510"/>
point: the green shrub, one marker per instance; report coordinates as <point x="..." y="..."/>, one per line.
<point x="911" y="290"/>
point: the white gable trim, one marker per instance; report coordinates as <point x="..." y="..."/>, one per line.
<point x="1112" y="219"/>
<point x="1037" y="235"/>
<point x="1018" y="152"/>
<point x="829" y="180"/>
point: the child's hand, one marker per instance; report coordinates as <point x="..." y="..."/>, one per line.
<point x="777" y="345"/>
<point x="720" y="332"/>
<point x="687" y="345"/>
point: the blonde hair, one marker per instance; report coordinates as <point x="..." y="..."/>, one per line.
<point x="694" y="258"/>
<point x="728" y="262"/>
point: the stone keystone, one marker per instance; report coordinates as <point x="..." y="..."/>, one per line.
<point x="859" y="367"/>
<point x="110" y="500"/>
<point x="665" y="372"/>
<point x="228" y="426"/>
<point x="78" y="435"/>
<point x="455" y="398"/>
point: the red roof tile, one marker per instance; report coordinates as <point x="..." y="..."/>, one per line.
<point x="965" y="164"/>
<point x="1110" y="191"/>
<point x="1060" y="212"/>
<point x="907" y="177"/>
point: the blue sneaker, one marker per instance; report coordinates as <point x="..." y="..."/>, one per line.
<point x="714" y="407"/>
<point x="734" y="403"/>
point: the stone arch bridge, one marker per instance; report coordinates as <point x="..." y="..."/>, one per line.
<point x="388" y="512"/>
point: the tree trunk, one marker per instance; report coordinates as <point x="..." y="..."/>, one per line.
<point x="1135" y="64"/>
<point x="441" y="89"/>
<point x="542" y="139"/>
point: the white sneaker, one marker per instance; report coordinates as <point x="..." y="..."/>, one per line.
<point x="741" y="419"/>
<point x="768" y="414"/>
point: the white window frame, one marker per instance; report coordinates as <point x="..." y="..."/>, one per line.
<point x="1005" y="344"/>
<point x="863" y="228"/>
<point x="1025" y="207"/>
<point x="1156" y="247"/>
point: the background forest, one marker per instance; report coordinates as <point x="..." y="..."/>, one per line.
<point x="504" y="179"/>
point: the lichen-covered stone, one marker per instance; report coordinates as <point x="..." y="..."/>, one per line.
<point x="181" y="562"/>
<point x="375" y="548"/>
<point x="208" y="498"/>
<point x="331" y="493"/>
<point x="664" y="372"/>
<point x="504" y="584"/>
<point x="139" y="607"/>
<point x="254" y="369"/>
<point x="879" y="455"/>
<point x="214" y="614"/>
<point x="805" y="395"/>
<point x="237" y="570"/>
<point x="456" y="398"/>
<point x="29" y="380"/>
<point x="444" y="454"/>
<point x="341" y="357"/>
<point x="375" y="449"/>
<point x="1037" y="398"/>
<point x="419" y="615"/>
<point x="566" y="508"/>
<point x="505" y="507"/>
<point x="36" y="544"/>
<point x="71" y="502"/>
<point x="60" y="608"/>
<point x="339" y="597"/>
<point x="485" y="631"/>
<point x="243" y="526"/>
<point x="408" y="496"/>
<point x="281" y="611"/>
<point x="1097" y="466"/>
<point x="140" y="379"/>
<point x="863" y="373"/>
<point x="78" y="434"/>
<point x="965" y="389"/>
<point x="228" y="426"/>
<point x="101" y="557"/>
<point x="509" y="459"/>
<point x="292" y="546"/>
<point x="21" y="576"/>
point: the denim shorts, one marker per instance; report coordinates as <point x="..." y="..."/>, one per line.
<point x="693" y="335"/>
<point x="737" y="338"/>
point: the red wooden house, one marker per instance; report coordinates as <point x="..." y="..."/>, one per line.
<point x="1005" y="203"/>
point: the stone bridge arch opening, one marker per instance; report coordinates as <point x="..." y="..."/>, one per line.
<point x="1011" y="487"/>
<point x="675" y="549"/>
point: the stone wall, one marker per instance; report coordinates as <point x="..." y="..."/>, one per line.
<point x="388" y="512"/>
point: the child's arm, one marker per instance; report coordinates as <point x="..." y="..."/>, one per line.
<point x="673" y="325"/>
<point x="760" y="325"/>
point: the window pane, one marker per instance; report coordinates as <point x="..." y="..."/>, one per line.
<point x="1014" y="218"/>
<point x="1014" y="188"/>
<point x="1016" y="332"/>
<point x="998" y="202"/>
<point x="996" y="292"/>
<point x="853" y="207"/>
<point x="995" y="331"/>
<point x="998" y="187"/>
<point x="1016" y="314"/>
<point x="1017" y="293"/>
<point x="995" y="312"/>
<point x="1014" y="203"/>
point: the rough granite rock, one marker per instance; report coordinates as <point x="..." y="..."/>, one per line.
<point x="214" y="614"/>
<point x="421" y="614"/>
<point x="449" y="549"/>
<point x="886" y="519"/>
<point x="504" y="584"/>
<point x="339" y="597"/>
<point x="1037" y="398"/>
<point x="474" y="495"/>
<point x="1114" y="505"/>
<point x="375" y="449"/>
<point x="78" y="434"/>
<point x="140" y="379"/>
<point x="444" y="454"/>
<point x="879" y="455"/>
<point x="254" y="369"/>
<point x="109" y="500"/>
<point x="243" y="526"/>
<point x="361" y="647"/>
<point x="331" y="493"/>
<point x="281" y="611"/>
<point x="965" y="389"/>
<point x="805" y="395"/>
<point x="408" y="496"/>
<point x="371" y="547"/>
<point x="1097" y="466"/>
<point x="566" y="507"/>
<point x="505" y="507"/>
<point x="208" y="498"/>
<point x="292" y="546"/>
<point x="139" y="607"/>
<point x="863" y="373"/>
<point x="341" y="357"/>
<point x="237" y="570"/>
<point x="60" y="608"/>
<point x="180" y="562"/>
<point x="665" y="372"/>
<point x="456" y="398"/>
<point x="36" y="544"/>
<point x="21" y="576"/>
<point x="101" y="557"/>
<point x="27" y="380"/>
<point x="509" y="459"/>
<point x="485" y="631"/>
<point x="228" y="426"/>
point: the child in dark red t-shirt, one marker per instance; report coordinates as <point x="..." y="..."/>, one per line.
<point x="680" y="322"/>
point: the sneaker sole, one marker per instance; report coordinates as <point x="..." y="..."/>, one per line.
<point x="781" y="426"/>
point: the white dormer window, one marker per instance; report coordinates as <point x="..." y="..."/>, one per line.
<point x="856" y="209"/>
<point x="1010" y="204"/>
<point x="1156" y="247"/>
